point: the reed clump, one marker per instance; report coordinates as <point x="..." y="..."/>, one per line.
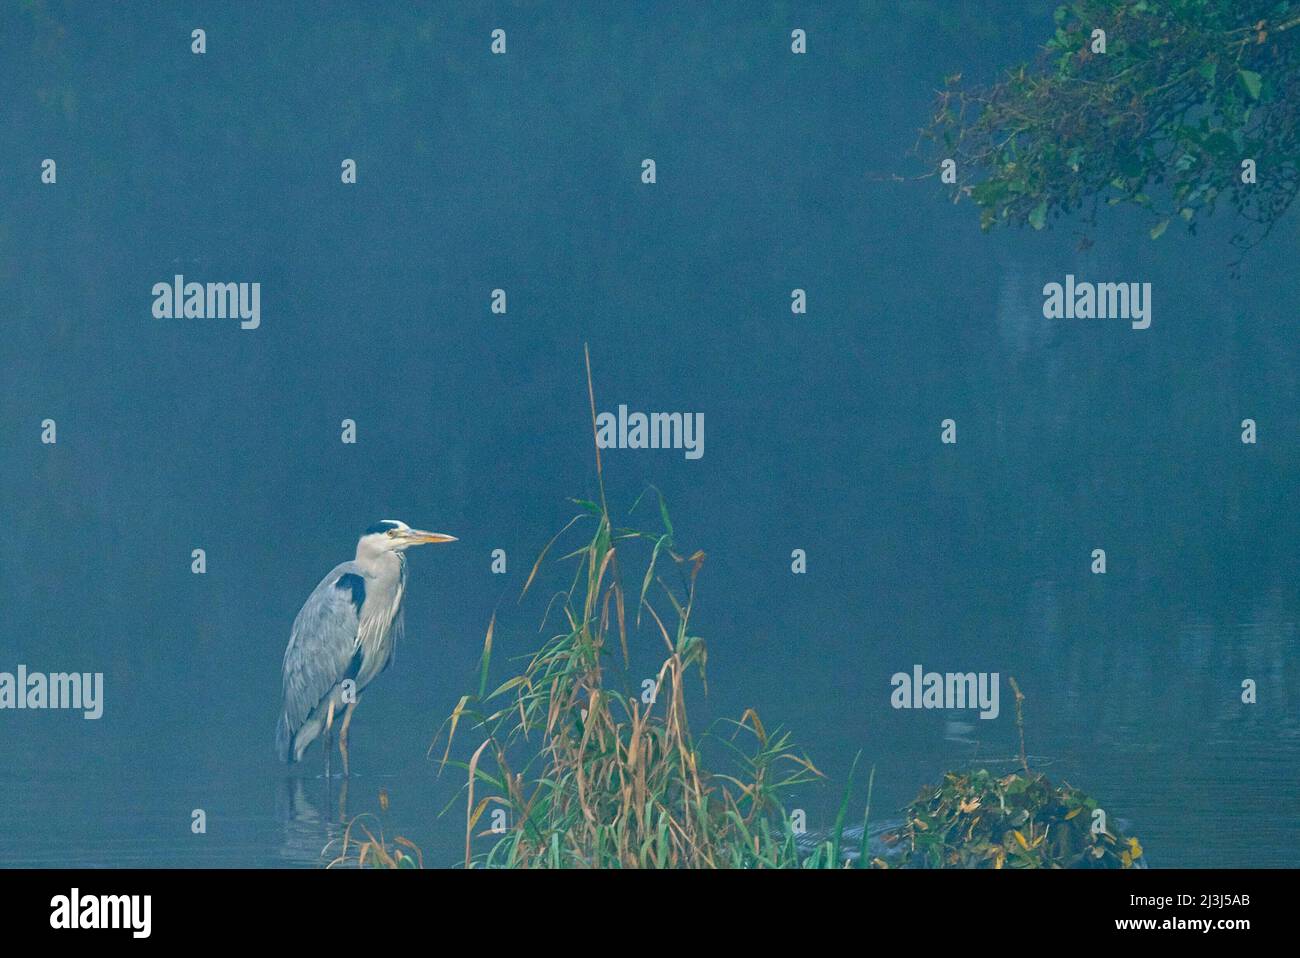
<point x="586" y="772"/>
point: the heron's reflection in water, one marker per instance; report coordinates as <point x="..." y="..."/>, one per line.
<point x="311" y="836"/>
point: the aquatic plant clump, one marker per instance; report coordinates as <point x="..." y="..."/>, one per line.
<point x="978" y="820"/>
<point x="574" y="771"/>
<point x="606" y="779"/>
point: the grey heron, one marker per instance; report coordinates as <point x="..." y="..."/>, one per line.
<point x="343" y="637"/>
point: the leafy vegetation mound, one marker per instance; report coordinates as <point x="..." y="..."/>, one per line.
<point x="978" y="820"/>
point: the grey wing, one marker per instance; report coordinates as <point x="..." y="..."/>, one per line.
<point x="322" y="650"/>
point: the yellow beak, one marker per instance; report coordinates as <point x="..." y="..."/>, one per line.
<point x="420" y="537"/>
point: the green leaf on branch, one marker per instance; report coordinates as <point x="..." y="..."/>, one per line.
<point x="1251" y="81"/>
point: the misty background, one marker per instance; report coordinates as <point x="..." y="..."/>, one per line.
<point x="522" y="172"/>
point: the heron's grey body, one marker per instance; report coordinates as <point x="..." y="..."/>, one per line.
<point x="346" y="630"/>
<point x="336" y="638"/>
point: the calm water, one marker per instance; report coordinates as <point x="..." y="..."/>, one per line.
<point x="522" y="172"/>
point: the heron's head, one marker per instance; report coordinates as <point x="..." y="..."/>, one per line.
<point x="389" y="535"/>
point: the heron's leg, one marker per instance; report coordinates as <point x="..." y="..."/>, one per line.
<point x="329" y="726"/>
<point x="343" y="734"/>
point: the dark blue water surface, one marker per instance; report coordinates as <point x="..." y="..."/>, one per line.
<point x="522" y="172"/>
